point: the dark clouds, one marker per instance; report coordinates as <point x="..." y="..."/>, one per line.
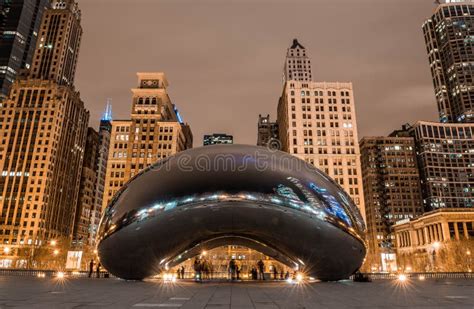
<point x="224" y="58"/>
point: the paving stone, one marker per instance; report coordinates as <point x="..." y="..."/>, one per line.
<point x="29" y="292"/>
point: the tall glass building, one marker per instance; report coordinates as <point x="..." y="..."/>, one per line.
<point x="446" y="162"/>
<point x="19" y="25"/>
<point x="449" y="37"/>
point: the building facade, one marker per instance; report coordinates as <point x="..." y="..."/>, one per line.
<point x="445" y="153"/>
<point x="19" y="26"/>
<point x="449" y="37"/>
<point x="317" y="123"/>
<point x="154" y="132"/>
<point x="86" y="200"/>
<point x="392" y="192"/>
<point x="43" y="129"/>
<point x="217" y="138"/>
<point x="267" y="133"/>
<point x="440" y="240"/>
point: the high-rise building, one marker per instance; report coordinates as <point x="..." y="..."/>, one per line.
<point x="449" y="37"/>
<point x="19" y="26"/>
<point x="105" y="131"/>
<point x="317" y="123"/>
<point x="445" y="155"/>
<point x="43" y="129"/>
<point x="217" y="138"/>
<point x="155" y="131"/>
<point x="86" y="200"/>
<point x="58" y="44"/>
<point x="297" y="64"/>
<point x="391" y="191"/>
<point x="267" y="132"/>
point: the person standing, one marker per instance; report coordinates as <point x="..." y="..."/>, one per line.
<point x="198" y="270"/>
<point x="261" y="269"/>
<point x="91" y="268"/>
<point x="182" y="272"/>
<point x="98" y="270"/>
<point x="232" y="269"/>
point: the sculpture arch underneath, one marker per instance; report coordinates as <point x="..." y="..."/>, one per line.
<point x="212" y="196"/>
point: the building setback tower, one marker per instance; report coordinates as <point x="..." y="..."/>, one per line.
<point x="19" y="25"/>
<point x="156" y="131"/>
<point x="392" y="192"/>
<point x="449" y="37"/>
<point x="317" y="123"/>
<point x="58" y="45"/>
<point x="43" y="129"/>
<point x="297" y="64"/>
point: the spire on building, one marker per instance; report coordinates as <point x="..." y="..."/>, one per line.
<point x="296" y="44"/>
<point x="107" y="115"/>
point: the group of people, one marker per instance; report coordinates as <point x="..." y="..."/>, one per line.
<point x="202" y="269"/>
<point x="97" y="269"/>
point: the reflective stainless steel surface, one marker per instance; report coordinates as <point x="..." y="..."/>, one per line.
<point x="207" y="197"/>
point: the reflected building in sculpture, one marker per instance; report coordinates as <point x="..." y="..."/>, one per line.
<point x="247" y="196"/>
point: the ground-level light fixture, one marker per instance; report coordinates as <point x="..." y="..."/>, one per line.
<point x="402" y="278"/>
<point x="60" y="275"/>
<point x="421" y="277"/>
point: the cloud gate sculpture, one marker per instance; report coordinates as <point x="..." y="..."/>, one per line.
<point x="207" y="197"/>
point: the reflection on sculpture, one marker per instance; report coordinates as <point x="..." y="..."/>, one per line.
<point x="207" y="197"/>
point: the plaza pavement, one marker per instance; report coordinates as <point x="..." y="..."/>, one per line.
<point x="30" y="292"/>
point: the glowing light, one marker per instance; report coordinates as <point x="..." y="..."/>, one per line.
<point x="421" y="277"/>
<point x="53" y="242"/>
<point x="41" y="275"/>
<point x="60" y="275"/>
<point x="289" y="280"/>
<point x="436" y="245"/>
<point x="299" y="277"/>
<point x="408" y="268"/>
<point x="56" y="252"/>
<point x="6" y="250"/>
<point x="204" y="253"/>
<point x="402" y="278"/>
<point x="95" y="251"/>
<point x="468" y="252"/>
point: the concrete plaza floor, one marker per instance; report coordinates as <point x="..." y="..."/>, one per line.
<point x="29" y="292"/>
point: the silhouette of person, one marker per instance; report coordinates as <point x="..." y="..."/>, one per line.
<point x="261" y="269"/>
<point x="98" y="270"/>
<point x="91" y="268"/>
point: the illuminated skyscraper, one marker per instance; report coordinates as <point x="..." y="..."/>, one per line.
<point x="155" y="131"/>
<point x="19" y="26"/>
<point x="392" y="192"/>
<point x="317" y="123"/>
<point x="43" y="129"/>
<point x="449" y="37"/>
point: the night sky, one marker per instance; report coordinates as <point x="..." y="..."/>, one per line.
<point x="224" y="59"/>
